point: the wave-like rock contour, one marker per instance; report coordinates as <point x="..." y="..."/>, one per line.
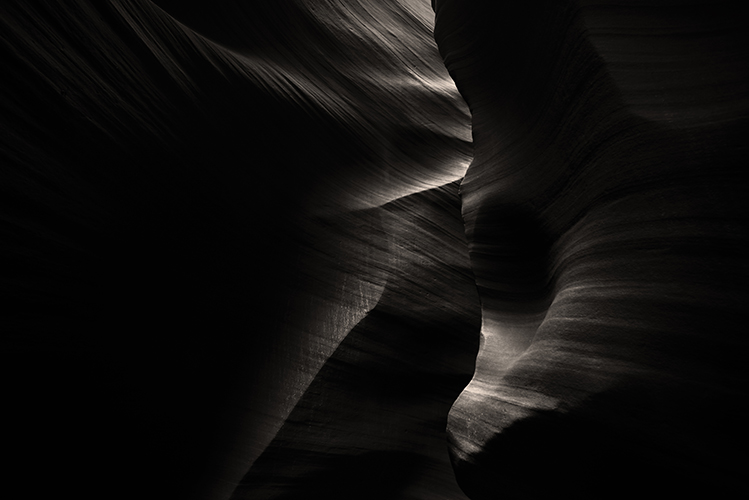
<point x="190" y="196"/>
<point x="244" y="254"/>
<point x="606" y="215"/>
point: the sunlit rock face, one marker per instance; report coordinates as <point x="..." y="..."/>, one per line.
<point x="605" y="211"/>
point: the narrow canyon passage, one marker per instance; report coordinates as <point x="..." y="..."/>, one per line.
<point x="414" y="249"/>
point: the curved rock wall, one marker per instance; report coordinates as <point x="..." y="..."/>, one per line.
<point x="194" y="220"/>
<point x="244" y="254"/>
<point x="605" y="211"/>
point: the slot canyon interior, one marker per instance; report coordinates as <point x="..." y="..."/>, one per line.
<point x="368" y="249"/>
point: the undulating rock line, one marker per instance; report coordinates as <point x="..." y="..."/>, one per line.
<point x="606" y="215"/>
<point x="372" y="423"/>
<point x="186" y="238"/>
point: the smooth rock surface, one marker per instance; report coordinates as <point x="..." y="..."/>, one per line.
<point x="606" y="215"/>
<point x="357" y="249"/>
<point x="193" y="222"/>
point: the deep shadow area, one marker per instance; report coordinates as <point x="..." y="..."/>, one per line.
<point x="370" y="476"/>
<point x="602" y="449"/>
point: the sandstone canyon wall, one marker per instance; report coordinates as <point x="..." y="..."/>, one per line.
<point x="605" y="211"/>
<point x="357" y="249"/>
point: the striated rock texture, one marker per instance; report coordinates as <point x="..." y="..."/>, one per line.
<point x="197" y="210"/>
<point x="372" y="423"/>
<point x="606" y="215"/>
<point x="294" y="249"/>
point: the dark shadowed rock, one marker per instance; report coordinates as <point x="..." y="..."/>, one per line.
<point x="605" y="211"/>
<point x="190" y="223"/>
<point x="244" y="255"/>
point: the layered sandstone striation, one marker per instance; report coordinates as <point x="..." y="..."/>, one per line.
<point x="605" y="212"/>
<point x="356" y="249"/>
<point x="193" y="223"/>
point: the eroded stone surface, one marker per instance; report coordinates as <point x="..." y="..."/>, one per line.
<point x="244" y="254"/>
<point x="605" y="213"/>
